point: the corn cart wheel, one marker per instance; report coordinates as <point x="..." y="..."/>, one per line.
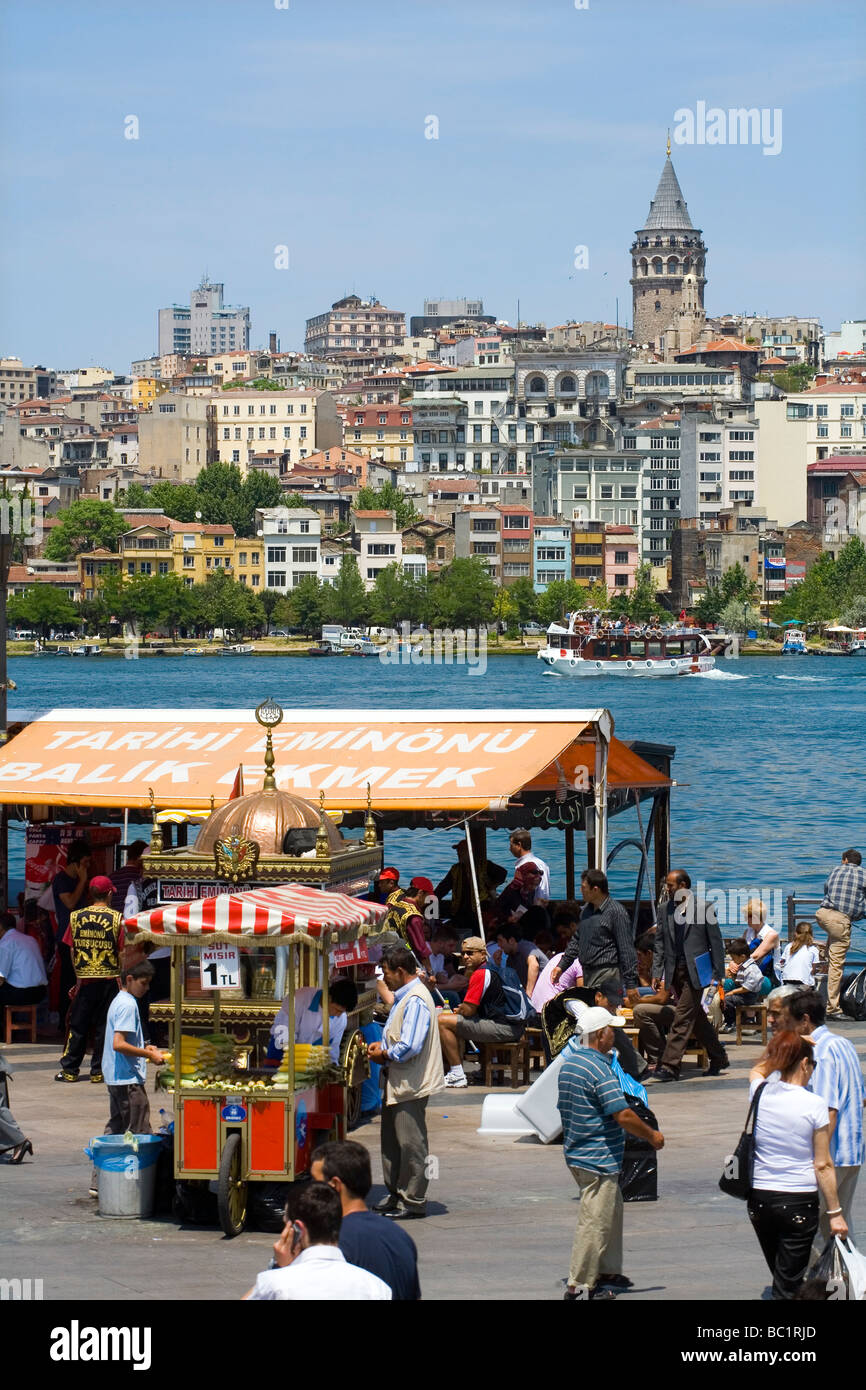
<point x="231" y="1190"/>
<point x="356" y="1069"/>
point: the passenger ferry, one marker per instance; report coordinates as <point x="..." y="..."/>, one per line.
<point x="578" y="650"/>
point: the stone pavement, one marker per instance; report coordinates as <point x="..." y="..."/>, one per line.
<point x="502" y="1211"/>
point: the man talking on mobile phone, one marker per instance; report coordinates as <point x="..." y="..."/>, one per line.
<point x="308" y="1264"/>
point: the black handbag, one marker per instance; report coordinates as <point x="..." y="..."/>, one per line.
<point x="736" y="1179"/>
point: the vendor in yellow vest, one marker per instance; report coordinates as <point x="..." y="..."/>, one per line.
<point x="412" y="1059"/>
<point x="96" y="936"/>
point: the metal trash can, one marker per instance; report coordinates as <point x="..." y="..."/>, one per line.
<point x="126" y="1172"/>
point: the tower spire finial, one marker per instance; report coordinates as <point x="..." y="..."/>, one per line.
<point x="669" y="145"/>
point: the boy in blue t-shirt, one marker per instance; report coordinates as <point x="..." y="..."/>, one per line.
<point x="125" y="1058"/>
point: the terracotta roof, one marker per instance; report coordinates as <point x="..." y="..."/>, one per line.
<point x="835" y="388"/>
<point x="18" y="574"/>
<point x="774" y="362"/>
<point x="335" y="455"/>
<point x="388" y="515"/>
<point x="550" y="521"/>
<point x="721" y="345"/>
<point x="611" y="530"/>
<point x="838" y="463"/>
<point x="458" y="485"/>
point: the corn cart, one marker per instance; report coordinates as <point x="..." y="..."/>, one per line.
<point x="235" y="1121"/>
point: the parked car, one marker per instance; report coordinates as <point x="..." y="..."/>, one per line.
<point x="25" y="635"/>
<point x="533" y="630"/>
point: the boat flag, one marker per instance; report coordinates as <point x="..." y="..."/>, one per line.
<point x="238" y="784"/>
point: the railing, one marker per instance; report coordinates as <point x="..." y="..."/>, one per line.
<point x="801" y="908"/>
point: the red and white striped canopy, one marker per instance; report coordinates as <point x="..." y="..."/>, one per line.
<point x="290" y="910"/>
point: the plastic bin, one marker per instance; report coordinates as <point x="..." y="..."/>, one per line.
<point x="538" y="1105"/>
<point x="126" y="1173"/>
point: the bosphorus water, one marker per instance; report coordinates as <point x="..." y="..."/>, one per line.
<point x="770" y="753"/>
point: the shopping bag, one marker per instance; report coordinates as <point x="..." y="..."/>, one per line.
<point x="829" y="1269"/>
<point x="639" y="1176"/>
<point x="855" y="1268"/>
<point x="853" y="1000"/>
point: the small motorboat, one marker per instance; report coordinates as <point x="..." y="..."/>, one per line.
<point x="795" y="643"/>
<point x="237" y="649"/>
<point x="323" y="649"/>
<point x="196" y="651"/>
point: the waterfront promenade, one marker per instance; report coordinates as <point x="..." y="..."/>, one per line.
<point x="502" y="1211"/>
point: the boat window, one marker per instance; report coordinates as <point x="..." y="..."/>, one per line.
<point x="636" y="649"/>
<point x="674" y="648"/>
<point x="654" y="649"/>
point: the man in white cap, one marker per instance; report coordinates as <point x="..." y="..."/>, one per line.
<point x="595" y="1115"/>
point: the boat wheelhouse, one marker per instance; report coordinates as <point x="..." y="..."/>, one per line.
<point x="795" y="643"/>
<point x="579" y="649"/>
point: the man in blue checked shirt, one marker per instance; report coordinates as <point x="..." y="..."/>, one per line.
<point x="411" y="1057"/>
<point x="844" y="903"/>
<point x="837" y="1078"/>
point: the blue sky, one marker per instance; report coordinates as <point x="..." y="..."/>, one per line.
<point x="305" y="127"/>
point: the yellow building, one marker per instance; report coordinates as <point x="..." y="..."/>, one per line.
<point x="293" y="423"/>
<point x="191" y="550"/>
<point x="588" y="552"/>
<point x="384" y="431"/>
<point x="145" y="390"/>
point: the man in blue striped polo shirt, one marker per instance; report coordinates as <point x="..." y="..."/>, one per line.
<point x="838" y="1079"/>
<point x="595" y="1114"/>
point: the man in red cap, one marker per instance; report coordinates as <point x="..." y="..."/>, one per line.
<point x="386" y="883"/>
<point x="97" y="936"/>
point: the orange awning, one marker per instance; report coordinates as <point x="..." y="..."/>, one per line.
<point x="415" y="760"/>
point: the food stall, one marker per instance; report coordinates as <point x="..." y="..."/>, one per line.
<point x="237" y="1122"/>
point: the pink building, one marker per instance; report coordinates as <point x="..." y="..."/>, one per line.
<point x="621" y="558"/>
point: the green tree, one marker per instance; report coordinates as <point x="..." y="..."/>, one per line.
<point x="504" y="609"/>
<point x="304" y="606"/>
<point x="388" y="595"/>
<point x="849" y="573"/>
<point x="525" y="600"/>
<point x="560" y="597"/>
<point x="258" y="490"/>
<point x="85" y="526"/>
<point x="643" y="603"/>
<point x="463" y="595"/>
<point x="42" y="606"/>
<point x="269" y="599"/>
<point x="735" y="586"/>
<point x="794" y="378"/>
<point x="180" y="501"/>
<point x="345" y="601"/>
<point x="738" y="615"/>
<point x="855" y="614"/>
<point x="388" y="498"/>
<point x="223" y="603"/>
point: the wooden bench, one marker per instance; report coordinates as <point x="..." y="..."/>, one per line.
<point x="497" y="1057"/>
<point x="537" y="1058"/>
<point x="28" y="1026"/>
<point x="760" y="1025"/>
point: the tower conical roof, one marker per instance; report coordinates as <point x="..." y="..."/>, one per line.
<point x="668" y="209"/>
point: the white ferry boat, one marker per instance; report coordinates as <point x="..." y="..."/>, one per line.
<point x="579" y="650"/>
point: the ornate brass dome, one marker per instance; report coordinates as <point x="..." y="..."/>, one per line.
<point x="267" y="817"/>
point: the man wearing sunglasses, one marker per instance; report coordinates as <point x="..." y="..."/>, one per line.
<point x="483" y="1015"/>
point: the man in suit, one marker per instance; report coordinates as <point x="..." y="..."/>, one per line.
<point x="687" y="930"/>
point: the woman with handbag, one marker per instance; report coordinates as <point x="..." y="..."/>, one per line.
<point x="791" y="1162"/>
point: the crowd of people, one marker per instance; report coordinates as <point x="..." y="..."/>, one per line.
<point x="496" y="958"/>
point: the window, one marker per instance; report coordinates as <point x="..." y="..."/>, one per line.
<point x="483" y="525"/>
<point x="276" y="555"/>
<point x="607" y="490"/>
<point x="620" y="581"/>
<point x="628" y="490"/>
<point x="304" y="555"/>
<point x="847" y="412"/>
<point x="276" y="579"/>
<point x="256" y="577"/>
<point x="620" y="557"/>
<point x="846" y="431"/>
<point x="484" y="548"/>
<point x="741" y="455"/>
<point x="823" y="431"/>
<point x="551" y="552"/>
<point x="189" y="562"/>
<point x="303" y="431"/>
<point x="580" y="491"/>
<point x="798" y="412"/>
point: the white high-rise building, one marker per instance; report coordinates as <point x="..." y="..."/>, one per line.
<point x="207" y="327"/>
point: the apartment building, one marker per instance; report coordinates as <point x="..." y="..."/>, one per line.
<point x="596" y="484"/>
<point x="656" y="442"/>
<point x="834" y="412"/>
<point x="719" y="449"/>
<point x="587" y="552"/>
<point x="294" y="423"/>
<point x="292" y="538"/>
<point x="489" y="438"/>
<point x="621" y="558"/>
<point x="378" y="543"/>
<point x="663" y="386"/>
<point x="551" y="552"/>
<point x="354" y="325"/>
<point x="439" y="433"/>
<point x="20" y="383"/>
<point x="384" y="431"/>
<point x="207" y="325"/>
<point x="478" y="535"/>
<point x="175" y="437"/>
<point x="517" y="542"/>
